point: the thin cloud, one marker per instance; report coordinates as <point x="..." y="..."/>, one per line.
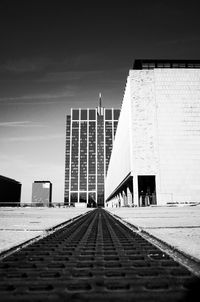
<point x="9" y="162"/>
<point x="38" y="97"/>
<point x="33" y="103"/>
<point x="23" y="124"/>
<point x="32" y="138"/>
<point x="69" y="75"/>
<point x="78" y="75"/>
<point x="26" y="65"/>
<point x="180" y="40"/>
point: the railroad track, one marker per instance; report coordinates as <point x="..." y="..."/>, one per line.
<point x="95" y="258"/>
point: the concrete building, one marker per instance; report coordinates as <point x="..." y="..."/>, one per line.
<point x="10" y="192"/>
<point x="42" y="193"/>
<point x="89" y="139"/>
<point x="156" y="153"/>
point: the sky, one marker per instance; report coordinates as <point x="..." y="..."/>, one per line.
<point x="55" y="56"/>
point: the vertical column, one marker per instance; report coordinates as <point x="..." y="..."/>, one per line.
<point x="70" y="160"/>
<point x="96" y="156"/>
<point x="124" y="198"/>
<point x="83" y="162"/>
<point x="92" y="150"/>
<point x="67" y="160"/>
<point x="79" y="139"/>
<point x="122" y="203"/>
<point x="129" y="197"/>
<point x="100" y="160"/>
<point x="108" y="142"/>
<point x="113" y="131"/>
<point x="87" y="153"/>
<point x="105" y="144"/>
<point x="135" y="190"/>
<point x="119" y="201"/>
<point x="74" y="164"/>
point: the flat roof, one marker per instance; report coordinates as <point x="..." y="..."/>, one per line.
<point x="8" y="179"/>
<point x="42" y="181"/>
<point x="164" y="63"/>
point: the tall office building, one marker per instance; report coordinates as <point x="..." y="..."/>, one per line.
<point x="158" y="136"/>
<point x="89" y="140"/>
<point x="42" y="193"/>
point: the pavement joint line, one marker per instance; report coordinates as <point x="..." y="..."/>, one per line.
<point x="25" y="230"/>
<point x="175" y="227"/>
<point x="45" y="233"/>
<point x="190" y="262"/>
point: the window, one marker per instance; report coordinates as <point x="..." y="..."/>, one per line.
<point x="116" y="114"/>
<point x="166" y="65"/>
<point x="145" y="66"/>
<point x="84" y="114"/>
<point x="108" y="114"/>
<point x="92" y="199"/>
<point x="75" y="114"/>
<point x="92" y="114"/>
<point x="74" y="197"/>
<point x="83" y="197"/>
<point x="151" y="65"/>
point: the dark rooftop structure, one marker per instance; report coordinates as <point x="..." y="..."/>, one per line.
<point x="151" y="64"/>
<point x="10" y="192"/>
<point x="42" y="181"/>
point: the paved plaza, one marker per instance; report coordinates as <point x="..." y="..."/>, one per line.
<point x="18" y="225"/>
<point x="177" y="226"/>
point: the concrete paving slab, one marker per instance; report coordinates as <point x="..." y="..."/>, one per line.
<point x="18" y="225"/>
<point x="9" y="239"/>
<point x="183" y="239"/>
<point x="177" y="226"/>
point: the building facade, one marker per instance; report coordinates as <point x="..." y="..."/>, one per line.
<point x="89" y="140"/>
<point x="158" y="136"/>
<point x="10" y="192"/>
<point x="42" y="193"/>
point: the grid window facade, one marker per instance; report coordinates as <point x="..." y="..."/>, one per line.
<point x="92" y="157"/>
<point x="109" y="140"/>
<point x="83" y="156"/>
<point x="100" y="161"/>
<point x="89" y="140"/>
<point x="74" y="155"/>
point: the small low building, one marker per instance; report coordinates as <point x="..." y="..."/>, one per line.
<point x="10" y="192"/>
<point x="42" y="193"/>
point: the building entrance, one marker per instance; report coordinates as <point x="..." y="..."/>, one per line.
<point x="147" y="190"/>
<point x="92" y="200"/>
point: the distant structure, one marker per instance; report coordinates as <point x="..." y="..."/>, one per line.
<point x="10" y="192"/>
<point x="42" y="193"/>
<point x="89" y="139"/>
<point x="156" y="152"/>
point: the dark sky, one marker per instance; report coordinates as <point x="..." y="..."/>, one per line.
<point x="88" y="42"/>
<point x="58" y="29"/>
<point x="55" y="55"/>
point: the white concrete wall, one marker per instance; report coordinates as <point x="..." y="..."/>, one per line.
<point x="144" y="151"/>
<point x="120" y="161"/>
<point x="159" y="133"/>
<point x="178" y="122"/>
